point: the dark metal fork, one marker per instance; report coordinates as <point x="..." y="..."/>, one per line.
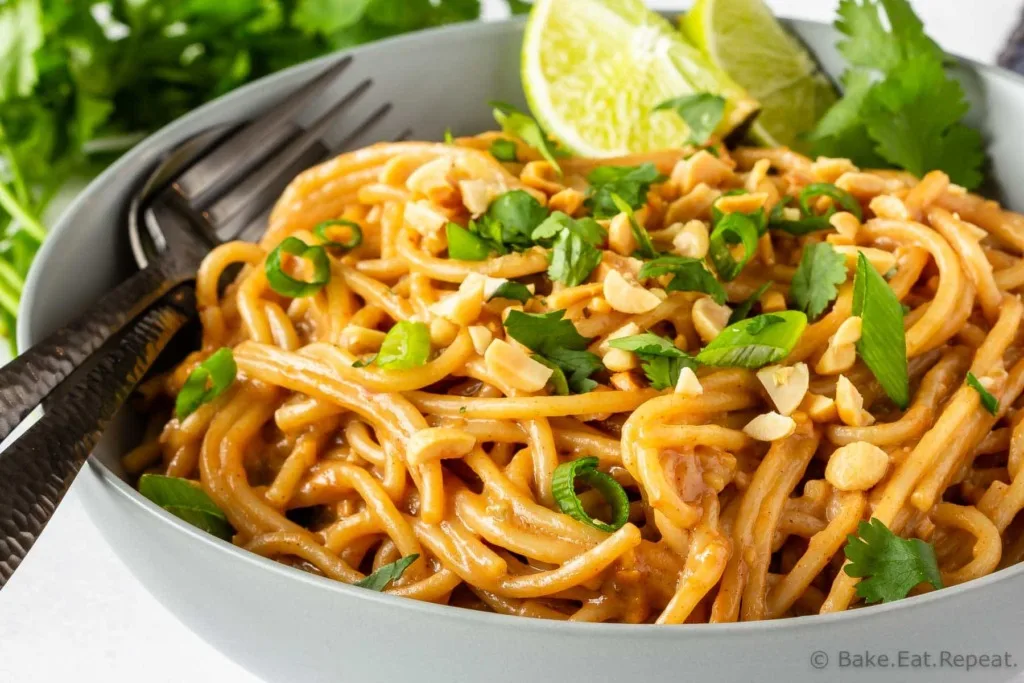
<point x="217" y="187"/>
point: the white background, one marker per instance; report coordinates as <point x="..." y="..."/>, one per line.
<point x="73" y="612"/>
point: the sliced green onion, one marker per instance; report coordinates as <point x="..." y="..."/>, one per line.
<point x="755" y="342"/>
<point x="283" y="283"/>
<point x="186" y="501"/>
<point x="449" y="139"/>
<point x="355" y="234"/>
<point x="206" y="382"/>
<point x="406" y="345"/>
<point x="988" y="401"/>
<point x="563" y="488"/>
<point x="883" y="341"/>
<point x="463" y="245"/>
<point x="503" y="150"/>
<point x="743" y="310"/>
<point x="389" y="572"/>
<point x="839" y="196"/>
<point x="733" y="228"/>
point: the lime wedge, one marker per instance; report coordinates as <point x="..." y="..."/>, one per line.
<point x="744" y="39"/>
<point x="594" y="69"/>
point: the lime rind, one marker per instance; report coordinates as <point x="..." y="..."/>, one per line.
<point x="594" y="69"/>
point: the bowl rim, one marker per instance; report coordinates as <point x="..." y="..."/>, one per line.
<point x="160" y="139"/>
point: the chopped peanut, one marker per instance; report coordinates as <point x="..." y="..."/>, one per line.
<point x="627" y="297"/>
<point x="773" y="301"/>
<point x="437" y="443"/>
<point x="481" y="337"/>
<point x="887" y="206"/>
<point x="881" y="260"/>
<point x="624" y="381"/>
<point x="820" y="409"/>
<point x="464" y="306"/>
<point x="620" y="235"/>
<point x="850" y="404"/>
<point x="692" y="240"/>
<point x="702" y="167"/>
<point x="786" y="385"/>
<point x="627" y="330"/>
<point x="846" y="226"/>
<point x="841" y="352"/>
<point x="424" y="219"/>
<point x="709" y="318"/>
<point x="431" y="177"/>
<point x="514" y="367"/>
<point x="567" y="201"/>
<point x="688" y="385"/>
<point x="620" y="360"/>
<point x="857" y="466"/>
<point x="828" y="170"/>
<point x="770" y="427"/>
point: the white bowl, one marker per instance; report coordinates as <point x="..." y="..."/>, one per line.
<point x="286" y="625"/>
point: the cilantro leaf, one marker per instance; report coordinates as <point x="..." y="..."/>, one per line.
<point x="631" y="183"/>
<point x="516" y="123"/>
<point x="689" y="275"/>
<point x="815" y="281"/>
<point x="557" y="340"/>
<point x="914" y="117"/>
<point x="511" y="219"/>
<point x="888" y="565"/>
<point x="661" y="360"/>
<point x="743" y="310"/>
<point x="559" y="384"/>
<point x="702" y="113"/>
<point x="510" y="289"/>
<point x="649" y="344"/>
<point x="389" y="572"/>
<point x="503" y="150"/>
<point x="988" y="401"/>
<point x="574" y="253"/>
<point x="883" y="343"/>
<point x="544" y="333"/>
<point x="869" y="44"/>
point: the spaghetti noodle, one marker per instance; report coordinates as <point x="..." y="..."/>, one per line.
<point x="323" y="459"/>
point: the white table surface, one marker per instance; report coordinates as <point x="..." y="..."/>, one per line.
<point x="74" y="612"/>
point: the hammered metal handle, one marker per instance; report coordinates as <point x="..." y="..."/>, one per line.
<point x="37" y="469"/>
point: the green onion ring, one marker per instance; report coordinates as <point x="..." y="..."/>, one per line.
<point x="354" y="241"/>
<point x="841" y="197"/>
<point x="283" y="283"/>
<point x="218" y="371"/>
<point x="563" y="488"/>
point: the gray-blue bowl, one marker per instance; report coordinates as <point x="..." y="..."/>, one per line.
<point x="286" y="625"/>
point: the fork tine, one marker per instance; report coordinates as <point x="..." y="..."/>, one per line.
<point x="254" y="229"/>
<point x="244" y="199"/>
<point x="376" y="117"/>
<point x="249" y="146"/>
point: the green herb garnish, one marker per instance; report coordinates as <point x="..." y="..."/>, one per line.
<point x="575" y="248"/>
<point x="207" y="381"/>
<point x="661" y="360"/>
<point x="815" y="281"/>
<point x="883" y="343"/>
<point x="389" y="572"/>
<point x="516" y="123"/>
<point x="503" y="150"/>
<point x="888" y="566"/>
<point x="630" y="183"/>
<point x="186" y="501"/>
<point x="733" y="228"/>
<point x="405" y="346"/>
<point x="510" y="289"/>
<point x="690" y="275"/>
<point x="743" y="310"/>
<point x="556" y="339"/>
<point x="988" y="401"/>
<point x="900" y="105"/>
<point x="563" y="488"/>
<point x="755" y="342"/>
<point x="645" y="246"/>
<point x="702" y="113"/>
<point x="465" y="245"/>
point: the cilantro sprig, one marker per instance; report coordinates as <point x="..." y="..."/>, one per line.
<point x="900" y="108"/>
<point x="661" y="361"/>
<point x="558" y="342"/>
<point x="888" y="566"/>
<point x="702" y="113"/>
<point x="689" y="275"/>
<point x="575" y="246"/>
<point x="525" y="127"/>
<point x="815" y="281"/>
<point x="630" y="183"/>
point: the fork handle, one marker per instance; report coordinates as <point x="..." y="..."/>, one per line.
<point x="29" y="378"/>
<point x="37" y="469"/>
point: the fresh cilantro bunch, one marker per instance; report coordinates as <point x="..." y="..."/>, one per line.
<point x="81" y="81"/>
<point x="900" y="107"/>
